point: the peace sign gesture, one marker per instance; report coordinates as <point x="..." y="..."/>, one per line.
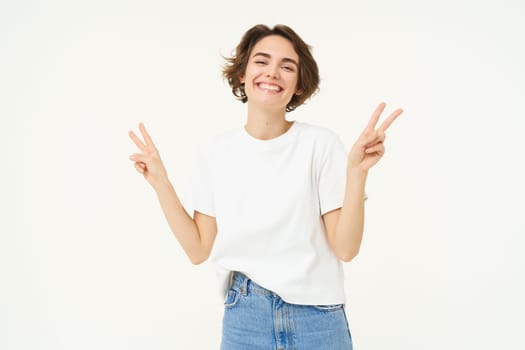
<point x="369" y="147"/>
<point x="148" y="163"/>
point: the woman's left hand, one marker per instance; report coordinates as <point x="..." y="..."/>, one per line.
<point x="369" y="147"/>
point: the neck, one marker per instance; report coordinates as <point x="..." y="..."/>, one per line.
<point x="266" y="124"/>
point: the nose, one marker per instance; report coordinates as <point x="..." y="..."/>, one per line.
<point x="273" y="72"/>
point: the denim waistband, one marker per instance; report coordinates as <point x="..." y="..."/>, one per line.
<point x="242" y="283"/>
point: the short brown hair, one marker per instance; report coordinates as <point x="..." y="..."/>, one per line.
<point x="308" y="75"/>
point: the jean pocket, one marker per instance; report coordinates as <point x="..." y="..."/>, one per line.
<point x="329" y="308"/>
<point x="231" y="298"/>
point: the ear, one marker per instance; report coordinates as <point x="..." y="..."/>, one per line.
<point x="299" y="92"/>
<point x="241" y="79"/>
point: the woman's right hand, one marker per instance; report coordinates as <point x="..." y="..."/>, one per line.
<point x="148" y="162"/>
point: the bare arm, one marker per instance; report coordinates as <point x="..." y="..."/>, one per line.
<point x="196" y="236"/>
<point x="344" y="226"/>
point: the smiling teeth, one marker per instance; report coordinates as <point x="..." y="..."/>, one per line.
<point x="270" y="87"/>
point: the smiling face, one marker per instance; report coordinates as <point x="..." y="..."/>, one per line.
<point x="270" y="79"/>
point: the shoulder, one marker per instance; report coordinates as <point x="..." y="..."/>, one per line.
<point x="323" y="136"/>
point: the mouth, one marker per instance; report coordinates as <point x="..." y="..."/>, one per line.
<point x="269" y="87"/>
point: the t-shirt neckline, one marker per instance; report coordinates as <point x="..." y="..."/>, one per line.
<point x="276" y="140"/>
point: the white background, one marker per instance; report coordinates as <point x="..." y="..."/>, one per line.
<point x="87" y="260"/>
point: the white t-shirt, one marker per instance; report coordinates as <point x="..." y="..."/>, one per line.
<point x="268" y="197"/>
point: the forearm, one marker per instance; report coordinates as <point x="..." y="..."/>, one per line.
<point x="181" y="224"/>
<point x="349" y="229"/>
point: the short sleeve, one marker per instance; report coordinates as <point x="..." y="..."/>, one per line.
<point x="332" y="176"/>
<point x="202" y="183"/>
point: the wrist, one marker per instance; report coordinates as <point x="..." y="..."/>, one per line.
<point x="356" y="172"/>
<point x="162" y="185"/>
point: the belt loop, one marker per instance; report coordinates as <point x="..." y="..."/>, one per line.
<point x="244" y="287"/>
<point x="231" y="279"/>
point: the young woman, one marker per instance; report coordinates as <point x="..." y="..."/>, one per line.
<point x="280" y="202"/>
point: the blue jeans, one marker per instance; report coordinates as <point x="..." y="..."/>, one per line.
<point x="256" y="318"/>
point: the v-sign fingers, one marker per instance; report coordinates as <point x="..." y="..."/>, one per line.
<point x="137" y="141"/>
<point x="147" y="138"/>
<point x="375" y="117"/>
<point x="390" y="120"/>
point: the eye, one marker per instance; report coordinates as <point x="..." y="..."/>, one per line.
<point x="288" y="68"/>
<point x="260" y="62"/>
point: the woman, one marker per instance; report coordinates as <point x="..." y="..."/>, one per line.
<point x="280" y="202"/>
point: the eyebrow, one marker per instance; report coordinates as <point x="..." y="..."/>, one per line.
<point x="286" y="59"/>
